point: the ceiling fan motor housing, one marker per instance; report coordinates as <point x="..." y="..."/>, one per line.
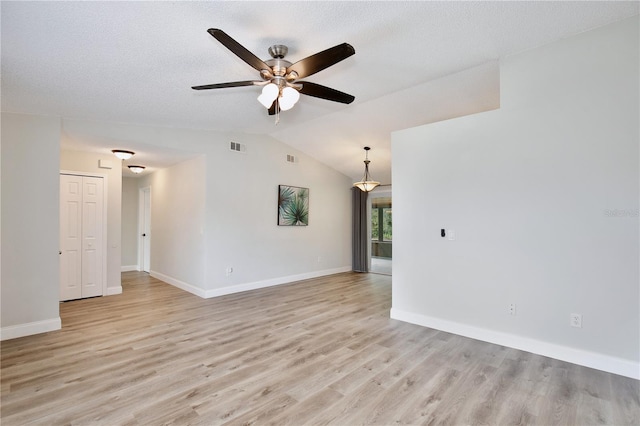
<point x="278" y="66"/>
<point x="278" y="72"/>
<point x="278" y="51"/>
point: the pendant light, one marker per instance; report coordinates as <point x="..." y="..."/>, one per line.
<point x="366" y="184"/>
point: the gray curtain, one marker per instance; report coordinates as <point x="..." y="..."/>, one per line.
<point x="360" y="240"/>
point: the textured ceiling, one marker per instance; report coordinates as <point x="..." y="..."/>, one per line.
<point x="134" y="62"/>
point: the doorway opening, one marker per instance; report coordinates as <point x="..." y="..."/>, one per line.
<point x="144" y="229"/>
<point x="381" y="226"/>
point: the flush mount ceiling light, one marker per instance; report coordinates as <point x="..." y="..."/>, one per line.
<point x="280" y="77"/>
<point x="136" y="169"/>
<point x="122" y="154"/>
<point x="366" y="184"/>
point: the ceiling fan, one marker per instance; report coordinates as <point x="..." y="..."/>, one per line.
<point x="279" y="77"/>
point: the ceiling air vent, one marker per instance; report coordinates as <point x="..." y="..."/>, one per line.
<point x="291" y="159"/>
<point x="237" y="147"/>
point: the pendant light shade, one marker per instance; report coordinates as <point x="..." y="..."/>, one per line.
<point x="366" y="184"/>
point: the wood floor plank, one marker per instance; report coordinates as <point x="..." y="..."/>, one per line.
<point x="317" y="352"/>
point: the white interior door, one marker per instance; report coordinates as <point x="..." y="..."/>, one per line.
<point x="81" y="236"/>
<point x="70" y="237"/>
<point x="92" y="225"/>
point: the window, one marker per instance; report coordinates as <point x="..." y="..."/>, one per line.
<point x="386" y="224"/>
<point x="381" y="221"/>
<point x="375" y="220"/>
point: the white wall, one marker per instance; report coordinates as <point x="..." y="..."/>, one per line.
<point x="78" y="161"/>
<point x="30" y="225"/>
<point x="177" y="223"/>
<point x="129" y="234"/>
<point x="543" y="195"/>
<point x="242" y="195"/>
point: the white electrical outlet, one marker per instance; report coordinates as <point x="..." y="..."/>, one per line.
<point x="512" y="309"/>
<point x="576" y="320"/>
<point x="451" y="234"/>
<point x="229" y="271"/>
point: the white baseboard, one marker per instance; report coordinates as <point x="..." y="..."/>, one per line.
<point x="206" y="294"/>
<point x="129" y="268"/>
<point x="177" y="283"/>
<point x="30" y="328"/>
<point x="216" y="292"/>
<point x="589" y="359"/>
<point x="114" y="290"/>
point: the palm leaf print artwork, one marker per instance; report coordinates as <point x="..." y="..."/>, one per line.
<point x="293" y="206"/>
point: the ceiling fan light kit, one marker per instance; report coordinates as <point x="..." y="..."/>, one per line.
<point x="367" y="183"/>
<point x="281" y="90"/>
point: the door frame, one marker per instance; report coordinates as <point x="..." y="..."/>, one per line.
<point x="379" y="192"/>
<point x="141" y="220"/>
<point x="105" y="198"/>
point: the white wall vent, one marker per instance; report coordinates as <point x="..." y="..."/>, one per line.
<point x="237" y="147"/>
<point x="291" y="159"/>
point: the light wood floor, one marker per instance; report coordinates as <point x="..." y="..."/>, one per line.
<point x="321" y="351"/>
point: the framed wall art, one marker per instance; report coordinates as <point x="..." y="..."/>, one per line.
<point x="293" y="206"/>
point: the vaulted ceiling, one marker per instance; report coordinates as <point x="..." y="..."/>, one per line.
<point x="415" y="63"/>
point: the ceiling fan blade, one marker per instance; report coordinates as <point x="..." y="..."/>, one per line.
<point x="272" y="109"/>
<point x="239" y="50"/>
<point x="323" y="92"/>
<point x="314" y="63"/>
<point x="224" y="85"/>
